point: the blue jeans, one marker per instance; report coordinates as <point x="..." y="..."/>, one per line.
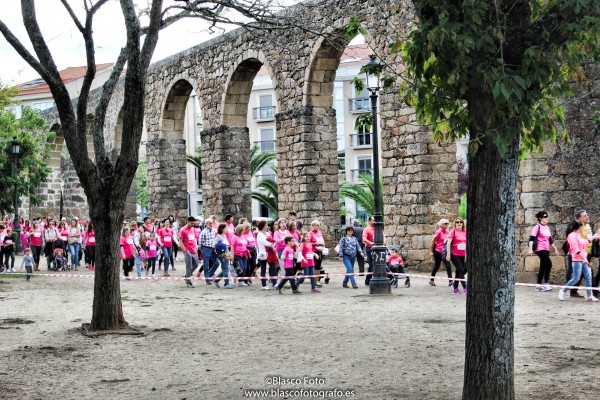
<point x="74" y="251"/>
<point x="224" y="270"/>
<point x="578" y="266"/>
<point x="308" y="271"/>
<point x="206" y="255"/>
<point x="349" y="264"/>
<point x="167" y="251"/>
<point x="138" y="265"/>
<point x="242" y="262"/>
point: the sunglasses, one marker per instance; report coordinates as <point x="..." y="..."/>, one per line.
<point x="458" y="222"/>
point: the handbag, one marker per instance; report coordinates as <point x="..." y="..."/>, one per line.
<point x="596" y="248"/>
<point x="143" y="255"/>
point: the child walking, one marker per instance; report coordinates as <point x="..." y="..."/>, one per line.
<point x="288" y="265"/>
<point x="28" y="262"/>
<point x="152" y="246"/>
<point x="308" y="262"/>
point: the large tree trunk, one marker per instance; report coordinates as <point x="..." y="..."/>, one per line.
<point x="107" y="311"/>
<point x="489" y="356"/>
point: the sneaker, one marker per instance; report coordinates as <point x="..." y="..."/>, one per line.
<point x="591" y="298"/>
<point x="343" y="285"/>
<point x="128" y="278"/>
<point x="456" y="291"/>
<point x="12" y="270"/>
<point x="315" y="290"/>
<point x="561" y="295"/>
<point x="451" y="283"/>
<point x="242" y="284"/>
<point x="355" y="286"/>
<point x="265" y="288"/>
<point x="318" y="284"/>
<point x="432" y="283"/>
<point x="208" y="283"/>
<point x="230" y="286"/>
<point x="546" y="288"/>
<point x="539" y="288"/>
<point x="216" y="284"/>
<point x="288" y="285"/>
<point x="152" y="276"/>
<point x="173" y="268"/>
<point x="167" y="274"/>
<point x="189" y="283"/>
<point x="299" y="292"/>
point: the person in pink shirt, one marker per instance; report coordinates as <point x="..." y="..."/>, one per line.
<point x="457" y="242"/>
<point x="308" y="262"/>
<point x="35" y="243"/>
<point x="577" y="251"/>
<point x="127" y="252"/>
<point x="543" y="235"/>
<point x="252" y="251"/>
<point x="240" y="252"/>
<point x="165" y="238"/>
<point x="435" y="249"/>
<point x="288" y="265"/>
<point x="189" y="247"/>
<point x="279" y="235"/>
<point x="89" y="247"/>
<point x="152" y="246"/>
<point x="318" y="242"/>
<point x="229" y="227"/>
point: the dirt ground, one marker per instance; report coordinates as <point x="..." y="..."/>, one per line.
<point x="206" y="343"/>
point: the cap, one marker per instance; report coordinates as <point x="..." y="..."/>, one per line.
<point x="443" y="221"/>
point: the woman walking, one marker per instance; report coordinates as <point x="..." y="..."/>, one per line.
<point x="349" y="248"/>
<point x="266" y="257"/>
<point x="316" y="238"/>
<point x="127" y="252"/>
<point x="89" y="247"/>
<point x="577" y="251"/>
<point x="457" y="243"/>
<point x="541" y="236"/>
<point x="165" y="239"/>
<point x="437" y="245"/>
<point x="221" y="245"/>
<point x="240" y="253"/>
<point x="35" y="244"/>
<point x="50" y="236"/>
<point x="74" y="237"/>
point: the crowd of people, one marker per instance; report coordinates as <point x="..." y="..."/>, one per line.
<point x="279" y="254"/>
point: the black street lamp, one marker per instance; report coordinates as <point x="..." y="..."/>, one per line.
<point x="15" y="150"/>
<point x="379" y="283"/>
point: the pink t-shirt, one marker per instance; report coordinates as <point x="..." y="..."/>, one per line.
<point x="543" y="236"/>
<point x="288" y="257"/>
<point x="308" y="253"/>
<point x="577" y="243"/>
<point x="36" y="238"/>
<point x="395" y="261"/>
<point x="152" y="247"/>
<point x="239" y="243"/>
<point x="316" y="238"/>
<point x="279" y="237"/>
<point x="229" y="232"/>
<point x="127" y="243"/>
<point x="249" y="236"/>
<point x="166" y="237"/>
<point x="296" y="235"/>
<point x="440" y="235"/>
<point x="188" y="239"/>
<point x="90" y="238"/>
<point x="459" y="242"/>
<point x="197" y="232"/>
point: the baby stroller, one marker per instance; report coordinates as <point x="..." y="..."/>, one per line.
<point x="59" y="259"/>
<point x="396" y="272"/>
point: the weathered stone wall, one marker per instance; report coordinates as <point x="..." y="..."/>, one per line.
<point x="564" y="179"/>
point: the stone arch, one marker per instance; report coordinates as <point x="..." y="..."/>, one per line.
<point x="238" y="86"/>
<point x="173" y="110"/>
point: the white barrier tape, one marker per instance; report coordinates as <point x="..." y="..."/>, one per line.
<point x="202" y="278"/>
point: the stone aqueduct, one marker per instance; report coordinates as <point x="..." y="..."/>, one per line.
<point x="420" y="178"/>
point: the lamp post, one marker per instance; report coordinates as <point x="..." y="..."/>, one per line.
<point x="15" y="150"/>
<point x="379" y="284"/>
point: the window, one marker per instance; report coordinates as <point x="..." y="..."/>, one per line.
<point x="42" y="105"/>
<point x="263" y="211"/>
<point x="265" y="100"/>
<point x="17" y="110"/>
<point x="365" y="164"/>
<point x="265" y="110"/>
<point x="266" y="139"/>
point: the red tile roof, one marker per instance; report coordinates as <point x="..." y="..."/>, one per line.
<point x="38" y="86"/>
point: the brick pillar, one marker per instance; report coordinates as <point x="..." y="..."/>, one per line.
<point x="226" y="172"/>
<point x="167" y="178"/>
<point x="419" y="180"/>
<point x="308" y="166"/>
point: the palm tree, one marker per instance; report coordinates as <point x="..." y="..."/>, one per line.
<point x="259" y="159"/>
<point x="196" y="161"/>
<point x="363" y="195"/>
<point x="270" y="199"/>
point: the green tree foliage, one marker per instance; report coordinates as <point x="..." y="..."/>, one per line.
<point x="31" y="132"/>
<point x="463" y="50"/>
<point x="362" y="194"/>
<point x="270" y="198"/>
<point x="462" y="207"/>
<point x="259" y="159"/>
<point x="196" y="161"/>
<point x="141" y="185"/>
<point x="6" y="95"/>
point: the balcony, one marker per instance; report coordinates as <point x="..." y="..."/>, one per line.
<point x="361" y="140"/>
<point x="263" y="114"/>
<point x="357" y="172"/>
<point x="262" y="177"/>
<point x="265" y="145"/>
<point x="359" y="105"/>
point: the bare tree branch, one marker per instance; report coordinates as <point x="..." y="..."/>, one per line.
<point x="72" y="14"/>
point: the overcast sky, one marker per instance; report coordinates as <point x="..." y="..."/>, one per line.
<point x="65" y="42"/>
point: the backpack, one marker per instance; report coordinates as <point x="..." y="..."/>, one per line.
<point x="220" y="248"/>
